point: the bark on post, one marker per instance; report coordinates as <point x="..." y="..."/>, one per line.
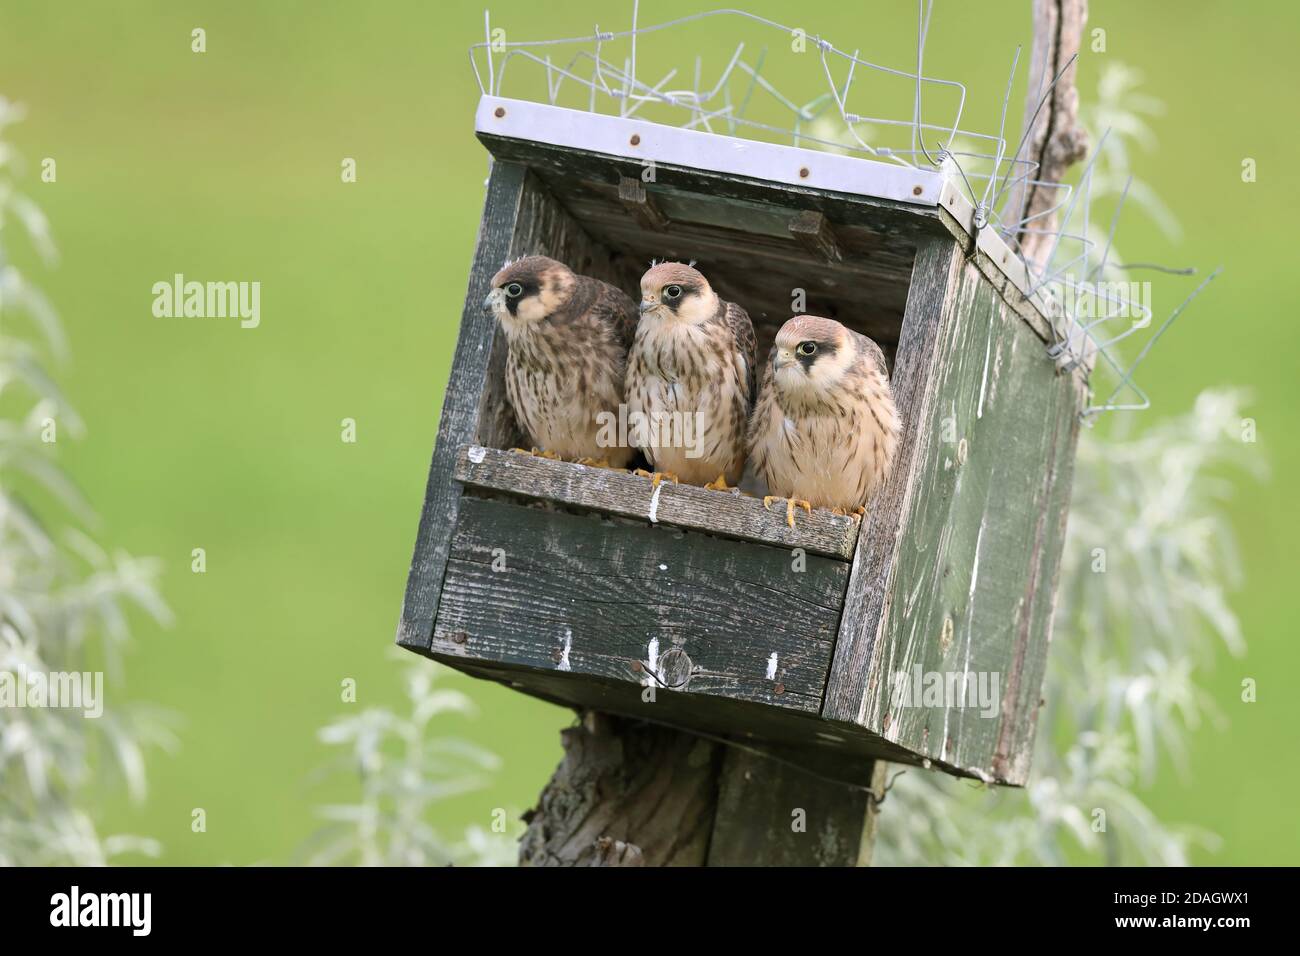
<point x="626" y="793"/>
<point x="1056" y="140"/>
<point x="629" y="793"/>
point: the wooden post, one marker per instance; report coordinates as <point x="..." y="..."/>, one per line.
<point x="772" y="813"/>
<point x="631" y="793"/>
<point x="1056" y="140"/>
<point x="626" y="793"/>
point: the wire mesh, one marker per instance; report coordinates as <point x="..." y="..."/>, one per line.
<point x="1087" y="309"/>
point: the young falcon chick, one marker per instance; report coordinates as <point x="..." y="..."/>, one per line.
<point x="825" y="428"/>
<point x="567" y="338"/>
<point x="691" y="378"/>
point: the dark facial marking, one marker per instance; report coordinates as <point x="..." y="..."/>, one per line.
<point x="809" y="350"/>
<point x="525" y="287"/>
<point x="675" y="293"/>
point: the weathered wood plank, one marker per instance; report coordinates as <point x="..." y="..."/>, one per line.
<point x="461" y="407"/>
<point x="957" y="665"/>
<point x="770" y="813"/>
<point x="633" y="196"/>
<point x="900" y="220"/>
<point x="728" y="513"/>
<point x="520" y="217"/>
<point x="835" y="751"/>
<point x="1010" y="279"/>
<point x="867" y="601"/>
<point x="670" y="610"/>
<point x="813" y="231"/>
<point x="1015" y="743"/>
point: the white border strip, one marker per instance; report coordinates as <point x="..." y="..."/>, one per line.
<point x="1002" y="256"/>
<point x="674" y="146"/>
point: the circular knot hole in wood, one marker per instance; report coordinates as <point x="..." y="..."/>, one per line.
<point x="675" y="667"/>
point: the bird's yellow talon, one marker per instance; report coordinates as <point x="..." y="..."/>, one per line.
<point x="719" y="483"/>
<point x="790" y="505"/>
<point x="656" y="477"/>
<point x="595" y="462"/>
<point x="538" y="453"/>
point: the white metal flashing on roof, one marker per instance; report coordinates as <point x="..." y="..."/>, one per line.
<point x="671" y="145"/>
<point x="1000" y="254"/>
<point x="714" y="152"/>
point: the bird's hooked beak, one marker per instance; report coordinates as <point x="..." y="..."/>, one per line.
<point x="645" y="305"/>
<point x="493" y="297"/>
<point x="783" y="358"/>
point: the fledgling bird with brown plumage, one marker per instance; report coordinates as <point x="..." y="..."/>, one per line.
<point x="825" y="428"/>
<point x="692" y="371"/>
<point x="567" y="337"/>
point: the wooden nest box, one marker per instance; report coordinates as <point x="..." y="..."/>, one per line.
<point x="918" y="635"/>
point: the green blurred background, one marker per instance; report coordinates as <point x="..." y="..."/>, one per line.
<point x="226" y="166"/>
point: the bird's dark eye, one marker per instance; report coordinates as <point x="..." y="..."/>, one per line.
<point x="806" y="348"/>
<point x="514" y="290"/>
<point x="672" y="292"/>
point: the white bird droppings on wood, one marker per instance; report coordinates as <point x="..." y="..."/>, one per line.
<point x="564" y="664"/>
<point x="654" y="504"/>
<point x="652" y="658"/>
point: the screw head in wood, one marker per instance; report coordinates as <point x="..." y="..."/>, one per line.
<point x="499" y="112"/>
<point x="636" y="666"/>
<point x="459" y="637"/>
<point x="779" y="689"/>
<point x="917" y="190"/>
<point x="804" y="172"/>
<point x="636" y="139"/>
